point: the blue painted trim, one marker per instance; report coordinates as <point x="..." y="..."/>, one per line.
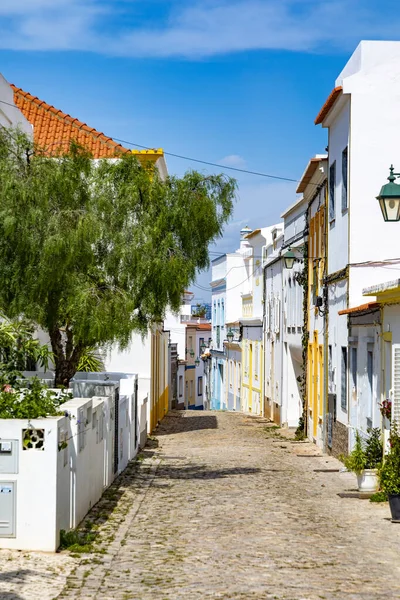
<point x="190" y="367"/>
<point x="194" y="407"/>
<point x="220" y="288"/>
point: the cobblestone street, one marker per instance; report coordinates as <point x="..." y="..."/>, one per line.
<point x="228" y="508"/>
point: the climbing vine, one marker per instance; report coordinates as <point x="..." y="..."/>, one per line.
<point x="302" y="278"/>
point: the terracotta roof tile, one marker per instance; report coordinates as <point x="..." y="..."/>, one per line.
<point x="330" y="101"/>
<point x="362" y="308"/>
<point x="53" y="130"/>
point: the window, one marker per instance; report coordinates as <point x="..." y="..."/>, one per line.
<point x="218" y="336"/>
<point x="246" y="360"/>
<point x="190" y="342"/>
<point x="332" y="190"/>
<point x="180" y="386"/>
<point x="199" y="386"/>
<point x="186" y="390"/>
<point x="191" y="389"/>
<point x="353" y="367"/>
<point x="344" y="179"/>
<point x="315" y="283"/>
<point x="370" y="366"/>
<point x="201" y="342"/>
<point x="343" y="387"/>
<point x="330" y="369"/>
<point x="222" y="313"/>
<point x="231" y="373"/>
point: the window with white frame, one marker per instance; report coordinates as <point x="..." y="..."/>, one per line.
<point x="180" y="386"/>
<point x="200" y="386"/>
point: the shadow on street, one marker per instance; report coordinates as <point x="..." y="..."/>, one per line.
<point x="183" y="421"/>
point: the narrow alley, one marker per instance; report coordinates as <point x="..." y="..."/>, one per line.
<point x="228" y="507"/>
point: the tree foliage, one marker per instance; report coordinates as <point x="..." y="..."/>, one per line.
<point x="94" y="250"/>
<point x="18" y="346"/>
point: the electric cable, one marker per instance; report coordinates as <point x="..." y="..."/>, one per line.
<point x="174" y="155"/>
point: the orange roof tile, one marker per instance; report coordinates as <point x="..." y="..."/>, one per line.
<point x="54" y="130"/>
<point x="361" y="308"/>
<point x="330" y="101"/>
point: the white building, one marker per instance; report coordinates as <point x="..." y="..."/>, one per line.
<point x="228" y="277"/>
<point x="251" y="322"/>
<point x="273" y="267"/>
<point x="313" y="186"/>
<point x="10" y="115"/>
<point x="362" y="118"/>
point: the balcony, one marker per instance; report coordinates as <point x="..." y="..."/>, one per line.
<point x="187" y="319"/>
<point x="247" y="306"/>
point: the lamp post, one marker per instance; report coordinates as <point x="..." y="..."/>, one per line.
<point x="389" y="198"/>
<point x="289" y="258"/>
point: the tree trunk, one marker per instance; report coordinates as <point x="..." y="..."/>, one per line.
<point x="65" y="364"/>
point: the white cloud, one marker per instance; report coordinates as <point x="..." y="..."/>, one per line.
<point x="233" y="160"/>
<point x="192" y="30"/>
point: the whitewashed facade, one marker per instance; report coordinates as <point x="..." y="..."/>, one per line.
<point x="362" y="118"/>
<point x="273" y="268"/>
<point x="10" y="115"/>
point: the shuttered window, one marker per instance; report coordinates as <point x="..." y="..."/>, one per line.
<point x="332" y="190"/>
<point x="343" y="380"/>
<point x="344" y="178"/>
<point x="396" y="383"/>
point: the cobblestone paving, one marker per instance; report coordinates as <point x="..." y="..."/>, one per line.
<point x="226" y="508"/>
<point x="30" y="575"/>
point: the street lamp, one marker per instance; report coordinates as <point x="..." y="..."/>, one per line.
<point x="202" y="347"/>
<point x="289" y="258"/>
<point x="230" y="335"/>
<point x="197" y="362"/>
<point x="389" y="198"/>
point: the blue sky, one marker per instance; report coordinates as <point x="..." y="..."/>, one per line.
<point x="235" y="82"/>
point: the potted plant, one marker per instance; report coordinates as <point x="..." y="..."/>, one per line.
<point x="389" y="474"/>
<point x="365" y="459"/>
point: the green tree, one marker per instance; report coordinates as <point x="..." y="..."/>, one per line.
<point x="92" y="251"/>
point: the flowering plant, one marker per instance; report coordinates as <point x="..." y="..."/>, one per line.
<point x="386" y="409"/>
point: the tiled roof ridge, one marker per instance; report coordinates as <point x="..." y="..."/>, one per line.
<point x="66" y="117"/>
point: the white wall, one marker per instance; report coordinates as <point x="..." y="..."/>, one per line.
<point x="36" y="485"/>
<point x="11" y="116"/>
<point x="338" y="228"/>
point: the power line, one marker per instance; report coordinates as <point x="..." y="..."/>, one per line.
<point x="181" y="156"/>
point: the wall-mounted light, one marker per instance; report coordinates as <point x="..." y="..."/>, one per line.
<point x="289" y="259"/>
<point x="389" y="198"/>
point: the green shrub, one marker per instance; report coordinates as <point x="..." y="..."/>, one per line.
<point x="379" y="497"/>
<point x="389" y="474"/>
<point x="79" y="542"/>
<point x="366" y="454"/>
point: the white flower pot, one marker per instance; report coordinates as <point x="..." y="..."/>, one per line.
<point x="368" y="481"/>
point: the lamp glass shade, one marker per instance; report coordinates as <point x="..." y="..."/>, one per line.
<point x="289" y="259"/>
<point x="197" y="362"/>
<point x="389" y="199"/>
<point x="230" y="335"/>
<point x="202" y="348"/>
<point x="390" y="208"/>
